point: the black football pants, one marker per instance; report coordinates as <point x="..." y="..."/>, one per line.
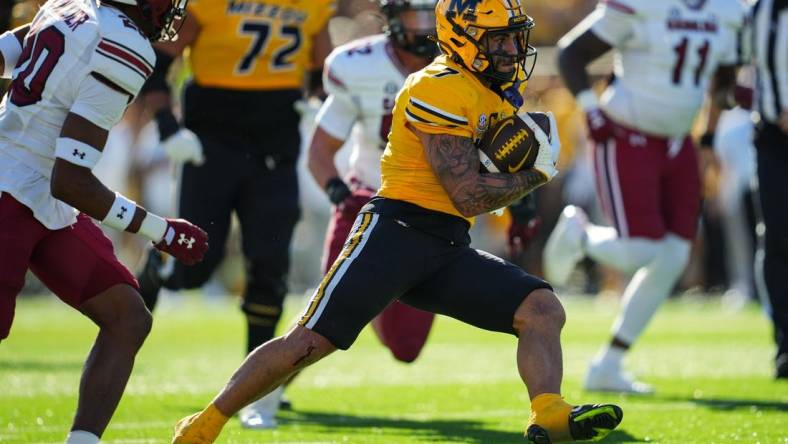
<point x="263" y="192"/>
<point x="772" y="148"/>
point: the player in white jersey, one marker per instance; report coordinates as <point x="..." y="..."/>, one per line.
<point x="668" y="54"/>
<point x="75" y="68"/>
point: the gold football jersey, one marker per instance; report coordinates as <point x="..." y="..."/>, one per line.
<point x="255" y="44"/>
<point x="442" y="98"/>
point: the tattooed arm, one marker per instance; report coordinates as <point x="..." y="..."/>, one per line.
<point x="455" y="161"/>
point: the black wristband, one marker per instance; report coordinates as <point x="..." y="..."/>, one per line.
<point x="337" y="190"/>
<point x="167" y="123"/>
<point x="707" y="140"/>
<point x="314" y="83"/>
<point x="158" y="78"/>
<point x="524" y="209"/>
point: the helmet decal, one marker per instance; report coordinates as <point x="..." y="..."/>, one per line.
<point x="466" y="29"/>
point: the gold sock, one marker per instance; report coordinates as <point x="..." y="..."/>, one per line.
<point x="213" y="418"/>
<point x="551" y="412"/>
<point x="202" y="427"/>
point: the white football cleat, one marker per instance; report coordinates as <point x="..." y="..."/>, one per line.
<point x="564" y="246"/>
<point x="608" y="378"/>
<point x="261" y="413"/>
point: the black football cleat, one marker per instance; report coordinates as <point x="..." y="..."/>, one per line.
<point x="285" y="404"/>
<point x="536" y="435"/>
<point x="592" y="422"/>
<point x="781" y="366"/>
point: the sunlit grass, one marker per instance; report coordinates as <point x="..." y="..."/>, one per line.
<point x="712" y="370"/>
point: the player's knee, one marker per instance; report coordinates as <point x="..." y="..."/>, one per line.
<point x="189" y="280"/>
<point x="266" y="281"/>
<point x="136" y="324"/>
<point x="674" y="254"/>
<point x="306" y="346"/>
<point x="541" y="309"/>
<point x="406" y="351"/>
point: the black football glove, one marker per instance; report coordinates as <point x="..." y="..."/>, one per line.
<point x="524" y="226"/>
<point x="337" y="190"/>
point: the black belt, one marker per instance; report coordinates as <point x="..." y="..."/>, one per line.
<point x="453" y="229"/>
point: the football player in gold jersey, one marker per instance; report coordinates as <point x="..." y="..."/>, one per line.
<point x="251" y="60"/>
<point x="411" y="242"/>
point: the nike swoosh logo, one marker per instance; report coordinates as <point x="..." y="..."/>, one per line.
<point x="501" y="128"/>
<point x="513" y="169"/>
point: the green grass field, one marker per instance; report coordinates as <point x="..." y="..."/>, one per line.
<point x="712" y="370"/>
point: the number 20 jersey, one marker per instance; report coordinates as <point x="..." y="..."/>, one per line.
<point x="362" y="80"/>
<point x="666" y="52"/>
<point x="69" y="40"/>
<point x="255" y="44"/>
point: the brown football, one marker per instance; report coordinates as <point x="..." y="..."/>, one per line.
<point x="510" y="145"/>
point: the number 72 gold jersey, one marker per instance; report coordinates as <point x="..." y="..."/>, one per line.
<point x="261" y="45"/>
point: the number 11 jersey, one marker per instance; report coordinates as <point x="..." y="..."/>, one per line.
<point x="666" y="52"/>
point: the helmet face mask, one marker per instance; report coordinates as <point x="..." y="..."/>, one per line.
<point x="506" y="53"/>
<point x="410" y="24"/>
<point x="165" y="17"/>
<point x="489" y="37"/>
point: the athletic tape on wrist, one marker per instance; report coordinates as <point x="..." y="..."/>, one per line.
<point x="120" y="214"/>
<point x="76" y="152"/>
<point x="587" y="99"/>
<point x="153" y="227"/>
<point x="11" y="49"/>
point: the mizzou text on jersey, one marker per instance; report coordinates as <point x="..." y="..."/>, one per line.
<point x="246" y="44"/>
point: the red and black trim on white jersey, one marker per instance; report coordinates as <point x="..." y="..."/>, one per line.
<point x="126" y="56"/>
<point x="618" y="6"/>
<point x="335" y="80"/>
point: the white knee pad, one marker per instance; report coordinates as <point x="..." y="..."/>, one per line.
<point x="650" y="286"/>
<point x="673" y="255"/>
<point x="626" y="255"/>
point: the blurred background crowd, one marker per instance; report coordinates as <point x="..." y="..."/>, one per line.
<point x="135" y="165"/>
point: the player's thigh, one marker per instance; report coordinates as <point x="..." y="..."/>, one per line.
<point x="627" y="178"/>
<point x="79" y="262"/>
<point x="205" y="197"/>
<point x="773" y="186"/>
<point x="681" y="192"/>
<point x="342" y="219"/>
<point x="207" y="192"/>
<point x="478" y="288"/>
<point x="19" y="234"/>
<point x="379" y="262"/>
<point x="268" y="209"/>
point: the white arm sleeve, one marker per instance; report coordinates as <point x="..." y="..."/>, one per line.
<point x="11" y="50"/>
<point x="337" y="116"/>
<point x="613" y="21"/>
<point x="98" y="103"/>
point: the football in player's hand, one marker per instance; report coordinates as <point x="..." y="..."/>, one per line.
<point x="510" y="145"/>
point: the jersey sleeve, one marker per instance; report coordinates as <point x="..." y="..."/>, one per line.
<point x="439" y="104"/>
<point x="339" y="112"/>
<point x="203" y="10"/>
<point x="737" y="23"/>
<point x="124" y="58"/>
<point x="98" y="103"/>
<point x="324" y="10"/>
<point x="614" y="21"/>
